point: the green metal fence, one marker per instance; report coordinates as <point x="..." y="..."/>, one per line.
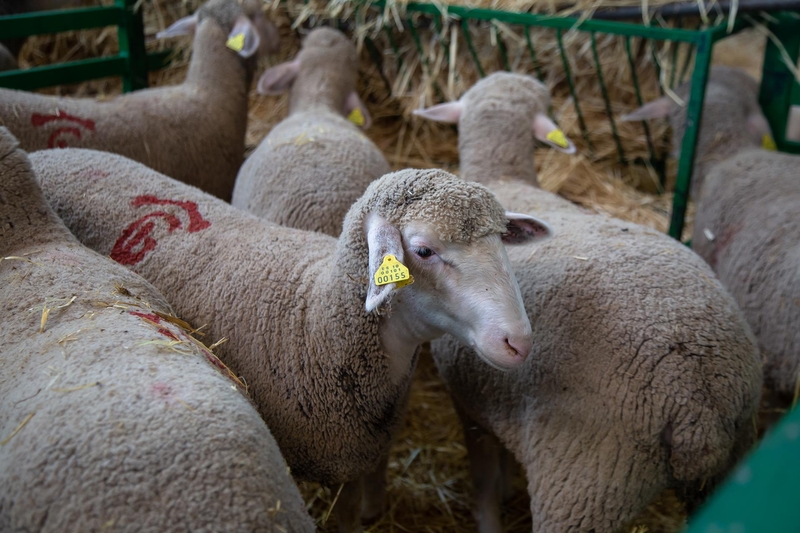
<point x="701" y="39"/>
<point x="132" y="62"/>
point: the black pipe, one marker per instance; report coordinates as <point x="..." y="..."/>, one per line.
<point x="682" y="9"/>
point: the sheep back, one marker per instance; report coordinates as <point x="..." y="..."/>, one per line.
<point x="110" y="415"/>
<point x="750" y="209"/>
<point x="308" y="172"/>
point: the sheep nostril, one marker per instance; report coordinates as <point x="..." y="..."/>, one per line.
<point x="520" y="347"/>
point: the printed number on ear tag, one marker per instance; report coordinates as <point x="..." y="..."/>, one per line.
<point x="767" y="143"/>
<point x="236" y="43"/>
<point x="357" y="118"/>
<point x="393" y="271"/>
<point x="558" y="138"/>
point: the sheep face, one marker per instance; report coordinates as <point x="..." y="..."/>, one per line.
<point x="467" y="289"/>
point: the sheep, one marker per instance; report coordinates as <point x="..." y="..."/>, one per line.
<point x="312" y="166"/>
<point x="10" y="48"/>
<point x="110" y="414"/>
<point x="643" y="374"/>
<point x="745" y="225"/>
<point x="327" y="352"/>
<point x="193" y="132"/>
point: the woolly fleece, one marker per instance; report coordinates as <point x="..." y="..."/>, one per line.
<point x="193" y="132"/>
<point x="313" y="165"/>
<point x="643" y="372"/>
<point x="291" y="301"/>
<point x="749" y="207"/>
<point x="122" y="430"/>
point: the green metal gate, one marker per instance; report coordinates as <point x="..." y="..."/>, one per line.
<point x="132" y="62"/>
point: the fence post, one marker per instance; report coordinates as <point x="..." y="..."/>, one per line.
<point x="130" y="33"/>
<point x="777" y="81"/>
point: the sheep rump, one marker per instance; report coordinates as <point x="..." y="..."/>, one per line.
<point x="124" y="425"/>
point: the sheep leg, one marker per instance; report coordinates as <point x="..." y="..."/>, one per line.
<point x="509" y="467"/>
<point x="374" y="500"/>
<point x="486" y="467"/>
<point x="348" y="507"/>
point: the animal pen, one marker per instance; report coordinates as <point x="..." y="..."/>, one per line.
<point x="600" y="63"/>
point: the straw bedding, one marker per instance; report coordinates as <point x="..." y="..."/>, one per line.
<point x="429" y="486"/>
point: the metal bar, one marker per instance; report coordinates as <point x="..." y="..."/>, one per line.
<point x="536" y="65"/>
<point x="555" y="21"/>
<point x="694" y="115"/>
<point x="38" y="23"/>
<point x="640" y="102"/>
<point x="761" y="495"/>
<point x="424" y="60"/>
<point x="683" y="9"/>
<point x="501" y="46"/>
<point x="158" y="60"/>
<point x="606" y="100"/>
<point x="568" y="73"/>
<point x="777" y="81"/>
<point x="471" y="48"/>
<point x="64" y="73"/>
<point x="130" y="33"/>
<point x="674" y="62"/>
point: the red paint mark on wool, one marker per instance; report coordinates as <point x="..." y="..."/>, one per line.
<point x="161" y="390"/>
<point x="152" y="317"/>
<point x="136" y="241"/>
<point x="58" y="138"/>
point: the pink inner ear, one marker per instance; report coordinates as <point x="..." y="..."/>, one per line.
<point x="542" y="125"/>
<point x="184" y="26"/>
<point x="757" y="125"/>
<point x="656" y="109"/>
<point x="449" y="113"/>
<point x="279" y="78"/>
<point x="522" y="229"/>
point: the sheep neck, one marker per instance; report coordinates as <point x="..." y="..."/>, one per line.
<point x="394" y="336"/>
<point x="490" y="150"/>
<point x="216" y="68"/>
<point x="316" y="90"/>
<point x="27" y="220"/>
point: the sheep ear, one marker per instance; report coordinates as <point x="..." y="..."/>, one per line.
<point x="758" y="129"/>
<point x="357" y="112"/>
<point x="449" y="113"/>
<point x="546" y="131"/>
<point x="279" y="78"/>
<point x="382" y="239"/>
<point x="525" y="229"/>
<point x="270" y="37"/>
<point x="244" y="38"/>
<point x="184" y="26"/>
<point x="659" y="108"/>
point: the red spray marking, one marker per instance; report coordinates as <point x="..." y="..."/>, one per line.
<point x="152" y="317"/>
<point x="135" y="241"/>
<point x="55" y="141"/>
<point x="213" y="359"/>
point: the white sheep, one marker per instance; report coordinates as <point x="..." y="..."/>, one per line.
<point x="327" y="349"/>
<point x="313" y="165"/>
<point x="111" y="416"/>
<point x="193" y="132"/>
<point x="745" y="225"/>
<point x="644" y="374"/>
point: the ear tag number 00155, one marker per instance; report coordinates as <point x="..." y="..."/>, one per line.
<point x="236" y="43"/>
<point x="393" y="271"/>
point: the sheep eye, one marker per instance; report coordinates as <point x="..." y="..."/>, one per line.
<point x="423" y="252"/>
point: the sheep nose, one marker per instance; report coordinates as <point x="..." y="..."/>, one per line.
<point x="521" y="346"/>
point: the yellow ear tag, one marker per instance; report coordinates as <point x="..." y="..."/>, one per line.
<point x="557" y="137"/>
<point x="236" y="43"/>
<point x="393" y="271"/>
<point x="767" y="143"/>
<point x="357" y="118"/>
